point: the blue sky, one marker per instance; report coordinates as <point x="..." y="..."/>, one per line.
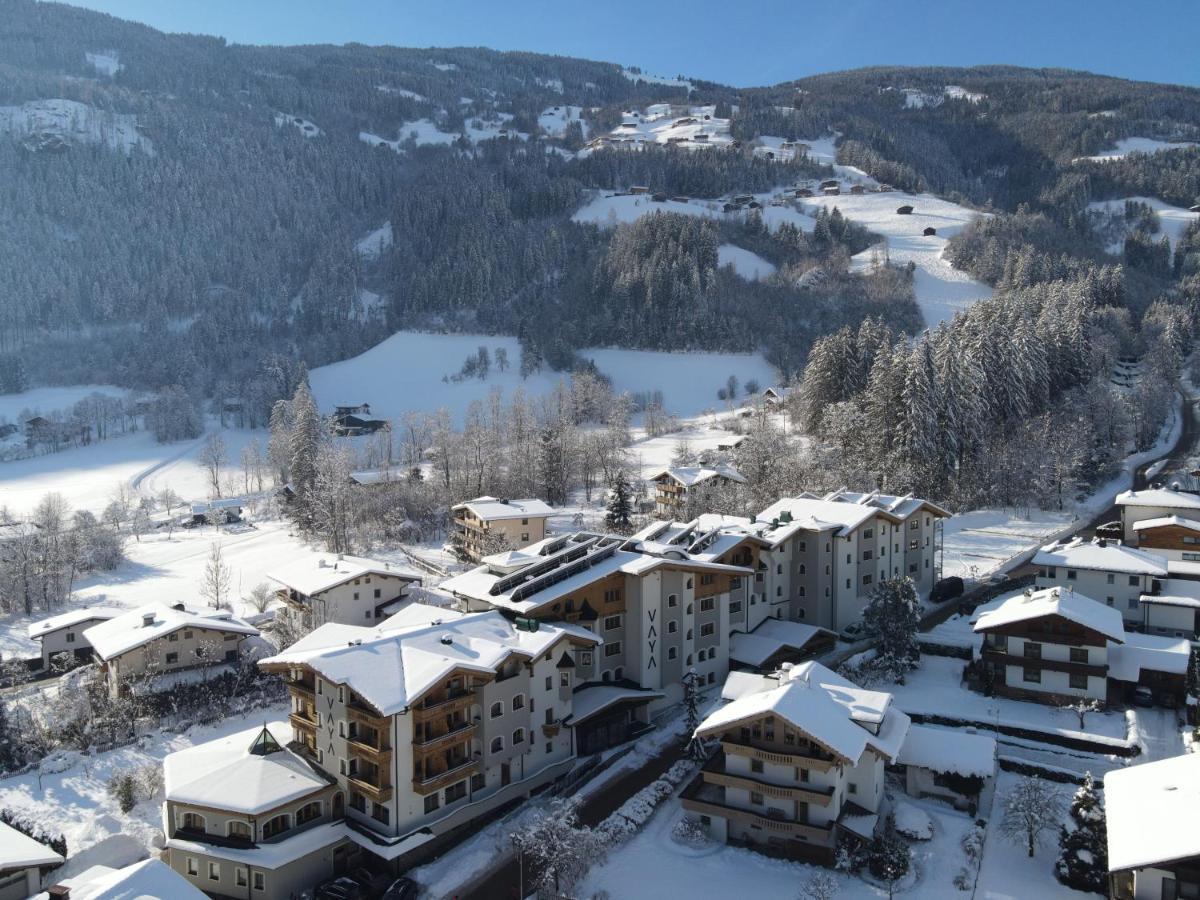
<point x="739" y="43"/>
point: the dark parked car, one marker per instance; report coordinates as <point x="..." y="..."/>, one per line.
<point x="402" y="889"/>
<point x="339" y="889"/>
<point x="1143" y="696"/>
<point x="947" y="589"/>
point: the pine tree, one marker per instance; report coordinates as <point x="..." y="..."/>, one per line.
<point x="620" y="504"/>
<point x="691" y="704"/>
<point x="1083" y="843"/>
<point x="304" y="441"/>
<point x="893" y="614"/>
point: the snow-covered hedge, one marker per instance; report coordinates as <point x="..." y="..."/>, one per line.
<point x="913" y="822"/>
<point x="637" y="810"/>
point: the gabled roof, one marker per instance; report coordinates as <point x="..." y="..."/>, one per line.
<point x="690" y="476"/>
<point x="818" y="702"/>
<point x="1056" y="601"/>
<point x="232" y="775"/>
<point x="39" y="630"/>
<point x="1164" y="521"/>
<point x="489" y="509"/>
<point x="322" y="571"/>
<point x="19" y="851"/>
<point x="771" y="636"/>
<point x="1163" y="498"/>
<point x="1102" y="556"/>
<point x="1150" y="653"/>
<point x="1151" y="810"/>
<point x="394" y="664"/>
<point x="151" y="879"/>
<point x="949" y="751"/>
<point x="129" y="630"/>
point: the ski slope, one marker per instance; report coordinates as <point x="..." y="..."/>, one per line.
<point x="409" y="372"/>
<point x="748" y="265"/>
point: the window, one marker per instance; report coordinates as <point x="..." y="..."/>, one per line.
<point x="550" y="681"/>
<point x="868" y="533"/>
<point x="735" y="607"/>
<point x="1079" y="681"/>
<point x="847" y="582"/>
<point x="672" y="600"/>
<point x="711" y="679"/>
<point x="518" y="702"/>
<point x="707" y="578"/>
<point x="1079" y="655"/>
<point x="549" y="746"/>
<point x="671" y="653"/>
<point x="735" y="582"/>
<point x="275" y="826"/>
<point x="172" y="658"/>
<point x="914" y="525"/>
<point x="853" y="788"/>
<point x="708" y="604"/>
<point x="708" y="629"/>
<point x="1033" y="650"/>
<point x="688" y="584"/>
<point x="260" y="881"/>
<point x="1110" y="578"/>
<point x="524" y="521"/>
<point x="849" y="558"/>
<point x="1072" y="574"/>
<point x="497" y="744"/>
<point x="456" y="792"/>
<point x="868" y="555"/>
<point x="613" y="649"/>
<point x="214" y="871"/>
<point x="497" y="710"/>
<point x="585" y="659"/>
<point x="380" y="813"/>
<point x="187" y="635"/>
<point x="193" y="822"/>
<point x="779" y="591"/>
<point x="1133" y="602"/>
<point x="612" y="596"/>
<point x="519" y="736"/>
<point x="867" y="579"/>
<point x="756" y="765"/>
<point x="356" y="595"/>
<point x="431" y="803"/>
<point x="192" y="868"/>
<point x="564" y="679"/>
<point x="238" y="829"/>
<point x="308" y="812"/>
<point x="1191" y="557"/>
<point x="524" y="537"/>
<point x="173" y="636"/>
<point x="1032" y="675"/>
<point x="913" y="545"/>
<point x="689" y="634"/>
<point x="672" y="627"/>
<point x="1133" y="581"/>
<point x="756" y="798"/>
<point x="378" y="593"/>
<point x="239" y="877"/>
<point x="70" y="637"/>
<point x="612" y="622"/>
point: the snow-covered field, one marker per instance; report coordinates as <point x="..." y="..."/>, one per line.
<point x="47" y="400"/>
<point x="305" y="127"/>
<point x="404" y="374"/>
<point x="749" y="265"/>
<point x="374" y="242"/>
<point x="555" y="119"/>
<point x="426" y="131"/>
<point x="978" y="542"/>
<point x="613" y="210"/>
<point x="692" y="128"/>
<point x="107" y="62"/>
<point x="1125" y="146"/>
<point x="1173" y="220"/>
<point x="657" y="79"/>
<point x="75" y="121"/>
<point x="941" y="289"/>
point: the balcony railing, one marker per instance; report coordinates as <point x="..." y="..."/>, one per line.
<point x="817" y="835"/>
<point x="458" y="701"/>
<point x="440" y="780"/>
<point x="462" y="732"/>
<point x="300" y="720"/>
<point x="798" y="758"/>
<point x="380" y="793"/>
<point x="999" y="657"/>
<point x="714" y="773"/>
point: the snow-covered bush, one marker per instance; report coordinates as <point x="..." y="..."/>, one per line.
<point x="913" y="822"/>
<point x="690" y="831"/>
<point x="888" y="858"/>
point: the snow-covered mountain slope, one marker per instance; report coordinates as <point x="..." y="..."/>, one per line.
<point x="41" y="123"/>
<point x="1125" y="146"/>
<point x="1173" y="220"/>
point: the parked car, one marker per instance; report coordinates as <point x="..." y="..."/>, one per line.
<point x="1143" y="696"/>
<point x="854" y="632"/>
<point x="342" y="888"/>
<point x="947" y="589"/>
<point x="1167" y="699"/>
<point x="402" y="889"/>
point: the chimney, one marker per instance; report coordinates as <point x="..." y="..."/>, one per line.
<point x="1101" y="542"/>
<point x="58" y="892"/>
<point x="147" y="619"/>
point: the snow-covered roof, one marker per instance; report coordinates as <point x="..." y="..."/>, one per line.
<point x="418" y="656"/>
<point x="1183" y="569"/>
<point x="949" y="751"/>
<point x="1151" y="812"/>
<point x="593" y="699"/>
<point x="824" y="706"/>
<point x="1164" y="521"/>
<point x="150" y="879"/>
<point x="841" y="509"/>
<point x="200" y="507"/>
<point x="690" y="476"/>
<point x="489" y="509"/>
<point x="224" y="774"/>
<point x="1162" y="498"/>
<point x="321" y="571"/>
<point x="130" y="629"/>
<point x="1176" y="592"/>
<point x="771" y="636"/>
<point x="372" y="476"/>
<point x="20" y="851"/>
<point x="1148" y="652"/>
<point x="39" y="630"/>
<point x="1056" y="601"/>
<point x="1102" y="556"/>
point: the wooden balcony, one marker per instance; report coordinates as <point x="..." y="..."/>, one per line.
<point x="714" y="773"/>
<point x="800" y="760"/>
<point x="381" y="756"/>
<point x="1000" y="658"/>
<point x="445" y="779"/>
<point x="817" y="835"/>
<point x="368" y="717"/>
<point x="460" y="734"/>
<point x="302" y="691"/>
<point x="379" y="793"/>
<point x="460" y="702"/>
<point x="300" y="720"/>
<point x="551" y="730"/>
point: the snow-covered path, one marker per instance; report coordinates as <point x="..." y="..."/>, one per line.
<point x="1156" y="732"/>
